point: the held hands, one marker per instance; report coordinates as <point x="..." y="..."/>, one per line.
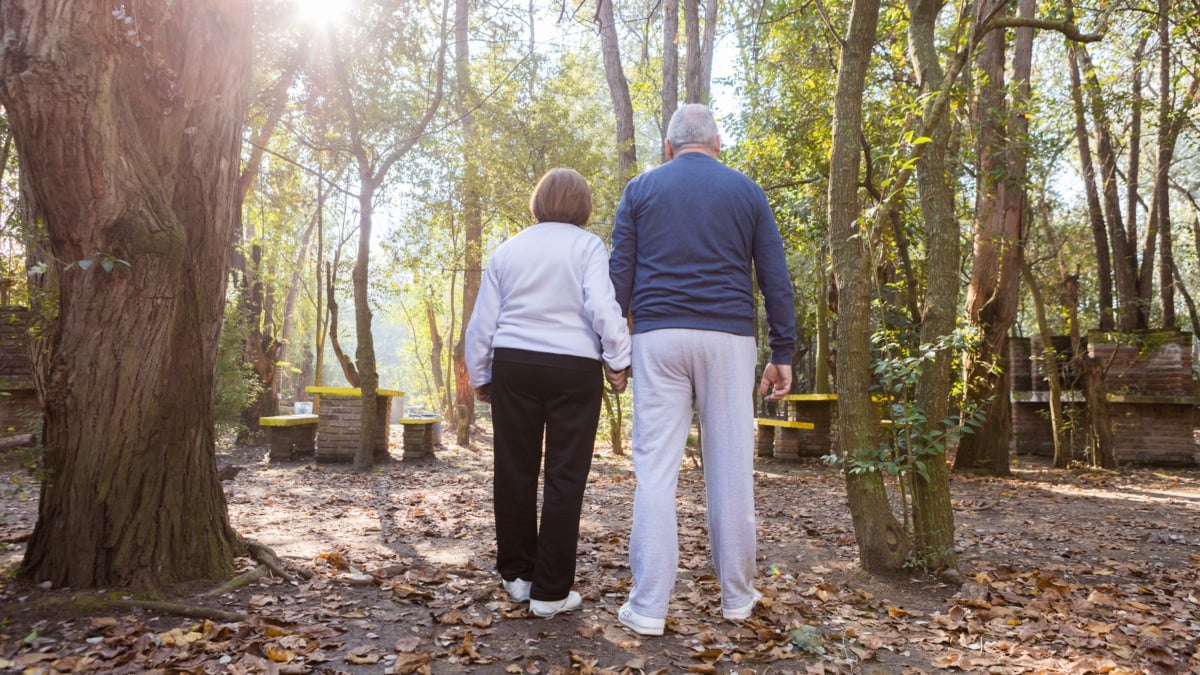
<point x="776" y="381"/>
<point x="484" y="393"/>
<point x="617" y="379"/>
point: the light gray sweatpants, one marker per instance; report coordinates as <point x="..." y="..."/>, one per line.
<point x="668" y="366"/>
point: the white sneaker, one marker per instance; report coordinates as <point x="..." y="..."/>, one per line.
<point x="518" y="589"/>
<point x="642" y="625"/>
<point x="743" y="612"/>
<point x="548" y="608"/>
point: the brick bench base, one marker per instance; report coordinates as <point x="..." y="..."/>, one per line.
<point x="290" y="435"/>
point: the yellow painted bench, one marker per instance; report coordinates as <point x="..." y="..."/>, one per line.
<point x="420" y="435"/>
<point x="290" y="435"/>
<point x="781" y="444"/>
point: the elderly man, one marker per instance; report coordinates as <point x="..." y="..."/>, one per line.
<point x="688" y="237"/>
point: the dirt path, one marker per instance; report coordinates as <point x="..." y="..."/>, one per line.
<point x="1066" y="573"/>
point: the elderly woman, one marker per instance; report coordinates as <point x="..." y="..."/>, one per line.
<point x="545" y="333"/>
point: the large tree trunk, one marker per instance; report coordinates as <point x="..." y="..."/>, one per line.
<point x="131" y="135"/>
<point x="933" y="514"/>
<point x="999" y="242"/>
<point x="882" y="543"/>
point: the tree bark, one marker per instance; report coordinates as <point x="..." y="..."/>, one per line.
<point x="933" y="513"/>
<point x="999" y="240"/>
<point x="1104" y="274"/>
<point x="670" y="67"/>
<point x="618" y="89"/>
<point x="1122" y="238"/>
<point x="464" y="101"/>
<point x="131" y="135"/>
<point x="882" y="544"/>
<point x="1062" y="453"/>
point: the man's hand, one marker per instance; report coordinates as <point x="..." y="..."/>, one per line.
<point x="776" y="381"/>
<point x="484" y="393"/>
<point x="617" y="379"/>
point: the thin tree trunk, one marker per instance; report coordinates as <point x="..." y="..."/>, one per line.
<point x="933" y="514"/>
<point x="464" y="101"/>
<point x="1095" y="392"/>
<point x="1062" y="453"/>
<point x="1122" y="239"/>
<point x="670" y="67"/>
<point x="882" y="543"/>
<point x="1104" y="281"/>
<point x="618" y="89"/>
<point x="138" y="175"/>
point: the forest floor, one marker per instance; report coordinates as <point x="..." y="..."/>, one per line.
<point x="1065" y="572"/>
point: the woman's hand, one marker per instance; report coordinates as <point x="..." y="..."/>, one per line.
<point x="617" y="379"/>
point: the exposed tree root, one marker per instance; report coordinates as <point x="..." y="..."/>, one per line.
<point x="241" y="580"/>
<point x="266" y="556"/>
<point x="194" y="611"/>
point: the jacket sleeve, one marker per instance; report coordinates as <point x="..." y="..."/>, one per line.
<point x="623" y="262"/>
<point x="485" y="319"/>
<point x="770" y="264"/>
<point x="600" y="306"/>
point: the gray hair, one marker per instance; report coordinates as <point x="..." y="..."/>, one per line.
<point x="692" y="124"/>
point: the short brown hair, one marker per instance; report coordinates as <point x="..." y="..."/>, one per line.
<point x="563" y="196"/>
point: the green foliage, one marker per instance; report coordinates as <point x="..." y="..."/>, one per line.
<point x="235" y="386"/>
<point x="912" y="440"/>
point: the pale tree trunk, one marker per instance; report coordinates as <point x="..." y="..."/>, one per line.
<point x="1062" y="453"/>
<point x="882" y="543"/>
<point x="293" y="294"/>
<point x="464" y="101"/>
<point x="933" y="514"/>
<point x="1123" y="241"/>
<point x="618" y="89"/>
<point x="821" y="358"/>
<point x="1145" y="275"/>
<point x="999" y="242"/>
<point x="1095" y="391"/>
<point x="698" y="66"/>
<point x="1104" y="275"/>
<point x="670" y="67"/>
<point x="132" y="145"/>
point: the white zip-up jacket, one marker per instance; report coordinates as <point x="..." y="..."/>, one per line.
<point x="548" y="290"/>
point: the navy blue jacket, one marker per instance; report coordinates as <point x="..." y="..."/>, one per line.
<point x="686" y="238"/>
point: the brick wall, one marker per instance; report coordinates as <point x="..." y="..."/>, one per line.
<point x="1151" y="401"/>
<point x="15" y="366"/>
<point x="19" y="407"/>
